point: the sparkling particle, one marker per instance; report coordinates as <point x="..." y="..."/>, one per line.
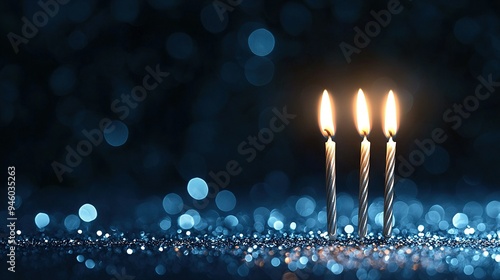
<point x="349" y="229"/>
<point x="278" y="225"/>
<point x="497" y="258"/>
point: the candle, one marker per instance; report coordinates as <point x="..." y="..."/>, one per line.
<point x="390" y="128"/>
<point x="363" y="125"/>
<point x="327" y="129"/>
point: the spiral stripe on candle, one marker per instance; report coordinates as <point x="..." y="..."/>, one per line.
<point x="331" y="197"/>
<point x="363" y="188"/>
<point x="389" y="189"/>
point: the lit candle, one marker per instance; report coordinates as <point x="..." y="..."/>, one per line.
<point x="327" y="129"/>
<point x="363" y="125"/>
<point x="390" y="129"/>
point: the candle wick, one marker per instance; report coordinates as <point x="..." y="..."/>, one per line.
<point x="328" y="132"/>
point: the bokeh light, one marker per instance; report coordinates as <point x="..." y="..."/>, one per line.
<point x="42" y="220"/>
<point x="90" y="264"/>
<point x="180" y="45"/>
<point x="259" y="71"/>
<point x="305" y="206"/>
<point x="172" y="203"/>
<point x="197" y="188"/>
<point x="125" y="10"/>
<point x="87" y="212"/>
<point x="62" y="80"/>
<point x="460" y="220"/>
<point x="116" y="133"/>
<point x="211" y="20"/>
<point x="165" y="224"/>
<point x="225" y="200"/>
<point x="261" y="42"/>
<point x="466" y="30"/>
<point x="185" y="221"/>
<point x="295" y="18"/>
<point x="71" y="222"/>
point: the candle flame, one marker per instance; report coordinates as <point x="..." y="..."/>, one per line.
<point x="362" y="115"/>
<point x="391" y="119"/>
<point x="326" y="115"/>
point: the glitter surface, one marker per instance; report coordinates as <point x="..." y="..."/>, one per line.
<point x="310" y="254"/>
<point x="289" y="242"/>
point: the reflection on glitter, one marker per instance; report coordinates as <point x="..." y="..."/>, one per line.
<point x="89" y="264"/>
<point x="160" y="269"/>
<point x="80" y="258"/>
